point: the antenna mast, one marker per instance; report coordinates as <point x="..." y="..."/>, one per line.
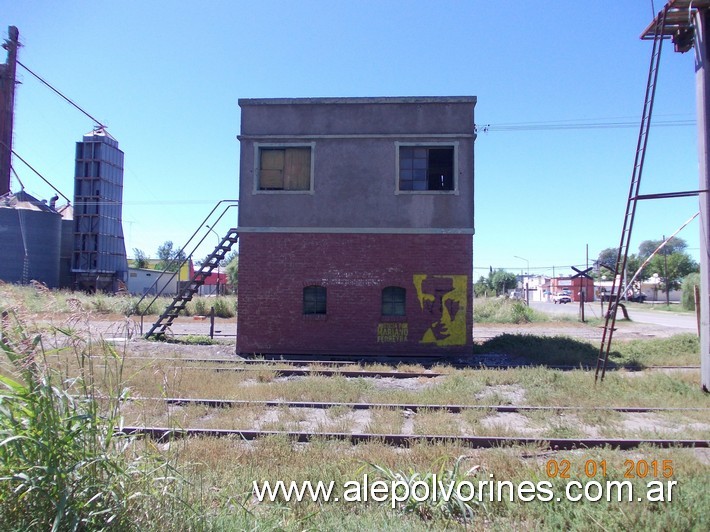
<point x="7" y="107"/>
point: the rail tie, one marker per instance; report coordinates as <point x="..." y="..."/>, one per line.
<point x="163" y="434"/>
<point x="414" y="407"/>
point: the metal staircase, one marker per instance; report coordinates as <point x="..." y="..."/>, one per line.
<point x="618" y="282"/>
<point x="198" y="279"/>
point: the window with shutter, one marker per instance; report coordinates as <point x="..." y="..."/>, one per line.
<point x="285" y="168"/>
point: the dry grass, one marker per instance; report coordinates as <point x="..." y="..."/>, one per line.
<point x="385" y="421"/>
<point x="532" y="386"/>
<point x="473" y="420"/>
<point x="503" y="425"/>
<point x="221" y="471"/>
<point x="437" y="422"/>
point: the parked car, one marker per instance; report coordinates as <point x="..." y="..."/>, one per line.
<point x="561" y="298"/>
<point x="638" y="297"/>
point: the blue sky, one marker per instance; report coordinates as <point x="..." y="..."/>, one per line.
<point x="165" y="77"/>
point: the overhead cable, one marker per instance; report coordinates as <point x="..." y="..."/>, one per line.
<point x="36" y="172"/>
<point x="22" y="185"/>
<point x="62" y="95"/>
<point x="561" y="125"/>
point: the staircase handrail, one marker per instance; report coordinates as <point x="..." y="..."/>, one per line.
<point x="174" y="261"/>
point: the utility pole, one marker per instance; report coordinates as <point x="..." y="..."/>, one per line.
<point x="7" y="106"/>
<point x="665" y="272"/>
<point x="702" y="78"/>
<point x="687" y="23"/>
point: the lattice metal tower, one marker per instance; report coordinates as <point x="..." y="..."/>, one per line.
<point x="99" y="257"/>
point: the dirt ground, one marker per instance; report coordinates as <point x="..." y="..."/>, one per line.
<point x="625" y="329"/>
<point x="119" y="328"/>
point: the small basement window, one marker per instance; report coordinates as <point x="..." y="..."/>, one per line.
<point x="284" y="168"/>
<point x="426" y="168"/>
<point x="314" y="300"/>
<point x="393" y="301"/>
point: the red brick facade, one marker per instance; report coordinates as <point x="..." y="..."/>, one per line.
<point x="434" y="269"/>
<point x="574" y="285"/>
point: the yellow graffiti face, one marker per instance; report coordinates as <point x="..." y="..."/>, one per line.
<point x="443" y="298"/>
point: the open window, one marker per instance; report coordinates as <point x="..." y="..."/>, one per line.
<point x="427" y="168"/>
<point x="284" y="168"/>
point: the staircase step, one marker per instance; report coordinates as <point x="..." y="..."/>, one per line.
<point x="198" y="279"/>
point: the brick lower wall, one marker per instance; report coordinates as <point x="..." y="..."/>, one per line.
<point x="435" y="270"/>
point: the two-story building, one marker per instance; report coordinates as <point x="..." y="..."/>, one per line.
<point x="356" y="225"/>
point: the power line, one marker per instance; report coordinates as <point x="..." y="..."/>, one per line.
<point x="572" y="125"/>
<point x="542" y="268"/>
<point x="22" y="185"/>
<point x="62" y="95"/>
<point x="36" y="172"/>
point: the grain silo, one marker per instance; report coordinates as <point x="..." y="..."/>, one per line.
<point x="99" y="258"/>
<point x="30" y="236"/>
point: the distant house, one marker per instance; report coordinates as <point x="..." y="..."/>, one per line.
<point x="573" y="286"/>
<point x="216" y="283"/>
<point x="145" y="280"/>
<point x="533" y="288"/>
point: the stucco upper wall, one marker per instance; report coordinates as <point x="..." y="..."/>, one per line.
<point x="354" y="143"/>
<point x="357" y="116"/>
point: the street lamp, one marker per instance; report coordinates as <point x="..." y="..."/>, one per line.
<point x="525" y="285"/>
<point x="215" y="232"/>
<point x="527" y="262"/>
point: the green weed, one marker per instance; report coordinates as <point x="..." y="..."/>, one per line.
<point x="410" y="486"/>
<point x="64" y="462"/>
<point x="499" y="310"/>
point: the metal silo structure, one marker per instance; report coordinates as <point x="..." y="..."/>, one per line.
<point x="30" y="236"/>
<point x="99" y="257"/>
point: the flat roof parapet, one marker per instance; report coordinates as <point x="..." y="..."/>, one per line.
<point x="359" y="100"/>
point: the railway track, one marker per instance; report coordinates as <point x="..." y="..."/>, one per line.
<point x="300" y="367"/>
<point x="163" y="434"/>
<point x="372" y="374"/>
<point x="305" y="372"/>
<point x="229" y="403"/>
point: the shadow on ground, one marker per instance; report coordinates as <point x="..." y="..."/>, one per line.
<point x="543" y="350"/>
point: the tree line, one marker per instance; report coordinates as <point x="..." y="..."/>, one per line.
<point x="674" y="268"/>
<point x="670" y="265"/>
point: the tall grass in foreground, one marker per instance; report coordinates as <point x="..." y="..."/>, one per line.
<point x="499" y="310"/>
<point x="64" y="463"/>
<point x="455" y="508"/>
<point x="36" y="300"/>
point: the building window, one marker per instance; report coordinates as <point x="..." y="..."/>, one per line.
<point x="284" y="168"/>
<point x="314" y="300"/>
<point x="426" y="168"/>
<point x="393" y="301"/>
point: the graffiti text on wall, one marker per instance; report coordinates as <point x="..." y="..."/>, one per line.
<point x="392" y="332"/>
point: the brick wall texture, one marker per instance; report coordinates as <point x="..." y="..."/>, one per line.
<point x="435" y="271"/>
